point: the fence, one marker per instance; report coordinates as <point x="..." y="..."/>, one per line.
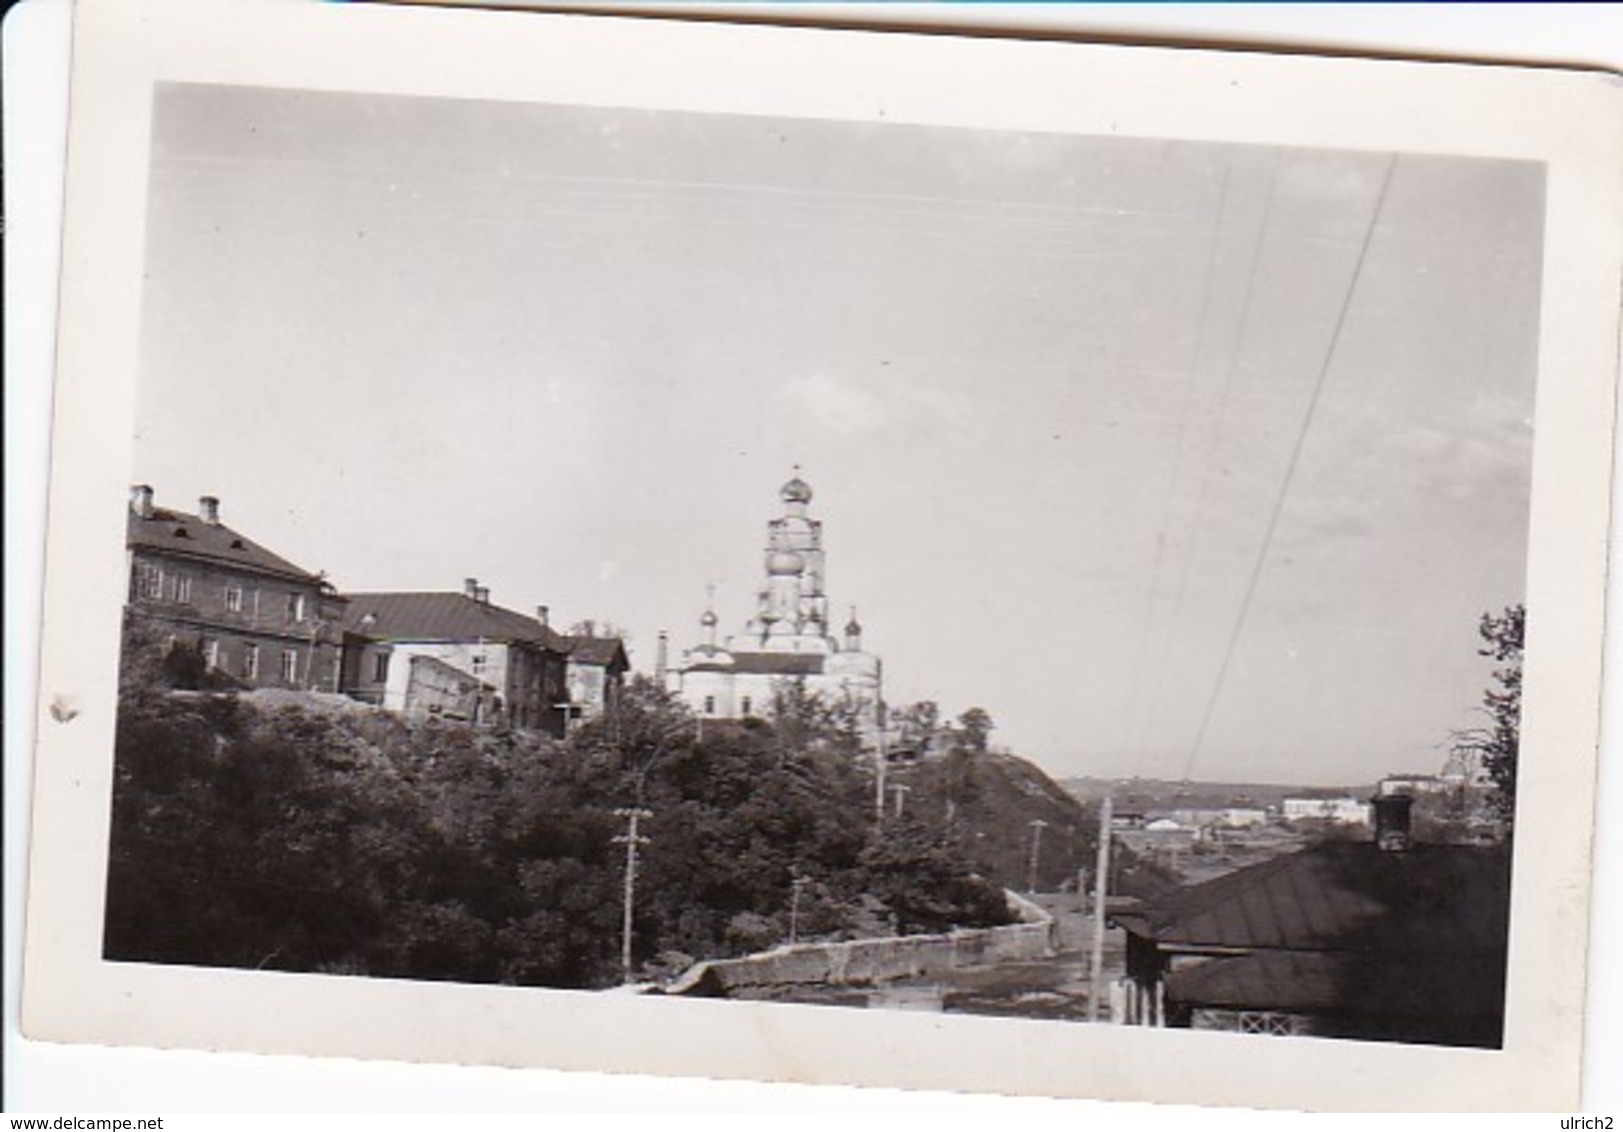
<point x="877" y="960"/>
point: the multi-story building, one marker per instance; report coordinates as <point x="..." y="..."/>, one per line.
<point x="787" y="641"/>
<point x="489" y="664"/>
<point x="251" y="614"/>
<point x="595" y="673"/>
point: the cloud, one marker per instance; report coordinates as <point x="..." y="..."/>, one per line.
<point x="843" y="405"/>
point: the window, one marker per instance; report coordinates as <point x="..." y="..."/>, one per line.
<point x="151" y="582"/>
<point x="710" y="705"/>
<point x="183" y="589"/>
<point x="1267" y="1022"/>
<point x="380" y="667"/>
<point x="290" y="666"/>
<point x="1250" y="1022"/>
<point x="233" y="598"/>
<point x="250" y="661"/>
<point x="744" y="706"/>
<point x="211" y="652"/>
<point x="478" y="664"/>
<point x="295" y="607"/>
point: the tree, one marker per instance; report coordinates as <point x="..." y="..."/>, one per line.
<point x="642" y="727"/>
<point x="1498" y="745"/>
<point x="974" y="730"/>
<point x="605" y="629"/>
<point x="918" y="724"/>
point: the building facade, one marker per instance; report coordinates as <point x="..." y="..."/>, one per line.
<point x="512" y="666"/>
<point x="595" y="673"/>
<point x="251" y="616"/>
<point x="788" y="640"/>
<point x="1338" y="811"/>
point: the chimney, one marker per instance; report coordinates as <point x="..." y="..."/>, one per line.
<point x="141" y="500"/>
<point x="481" y="594"/>
<point x="660" y="660"/>
<point x="1392" y="821"/>
<point x="542" y="613"/>
<point x="470" y="587"/>
<point x="208" y="508"/>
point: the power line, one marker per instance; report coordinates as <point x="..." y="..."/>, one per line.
<point x="1291" y="465"/>
<point x="1246" y="305"/>
<point x="1136" y="713"/>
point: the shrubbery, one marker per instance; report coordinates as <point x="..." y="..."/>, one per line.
<point x="310" y="838"/>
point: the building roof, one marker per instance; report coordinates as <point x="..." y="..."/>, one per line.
<point x="778" y="663"/>
<point x="606" y="652"/>
<point x="1303" y="982"/>
<point x="444" y="617"/>
<point x="1340" y="896"/>
<point x="184" y="535"/>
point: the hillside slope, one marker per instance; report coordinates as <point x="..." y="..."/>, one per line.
<point x="988" y="803"/>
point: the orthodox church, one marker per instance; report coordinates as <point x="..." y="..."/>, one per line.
<point x="788" y="638"/>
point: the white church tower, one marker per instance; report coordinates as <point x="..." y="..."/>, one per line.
<point x="787" y="639"/>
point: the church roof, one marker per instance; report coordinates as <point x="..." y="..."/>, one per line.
<point x="778" y="663"/>
<point x="445" y="617"/>
<point x="796" y="490"/>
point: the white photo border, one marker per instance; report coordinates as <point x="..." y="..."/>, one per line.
<point x="1567" y="120"/>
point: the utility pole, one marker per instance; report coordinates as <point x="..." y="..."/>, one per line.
<point x="898" y="791"/>
<point x="630" y="839"/>
<point x="1037" y="827"/>
<point x="799" y="882"/>
<point x="880" y="759"/>
<point x="1101" y="883"/>
<point x="316" y="626"/>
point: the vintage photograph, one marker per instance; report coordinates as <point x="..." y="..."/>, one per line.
<point x="636" y="560"/>
<point x="1048" y="576"/>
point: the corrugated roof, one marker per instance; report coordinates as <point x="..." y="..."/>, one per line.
<point x="1340" y="895"/>
<point x="186" y="535"/>
<point x="778" y="663"/>
<point x="444" y="617"/>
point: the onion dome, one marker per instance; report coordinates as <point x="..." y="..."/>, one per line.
<point x="796" y="490"/>
<point x="709" y="619"/>
<point x="852" y="627"/>
<point x="784" y="563"/>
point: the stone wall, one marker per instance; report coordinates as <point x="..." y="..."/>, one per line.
<point x="863" y="961"/>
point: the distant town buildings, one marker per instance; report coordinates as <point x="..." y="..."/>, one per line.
<point x="788" y="640"/>
<point x="1337" y="811"/>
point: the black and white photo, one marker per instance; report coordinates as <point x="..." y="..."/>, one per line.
<point x="602" y="550"/>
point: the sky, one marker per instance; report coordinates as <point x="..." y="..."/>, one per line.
<point x="1180" y="459"/>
